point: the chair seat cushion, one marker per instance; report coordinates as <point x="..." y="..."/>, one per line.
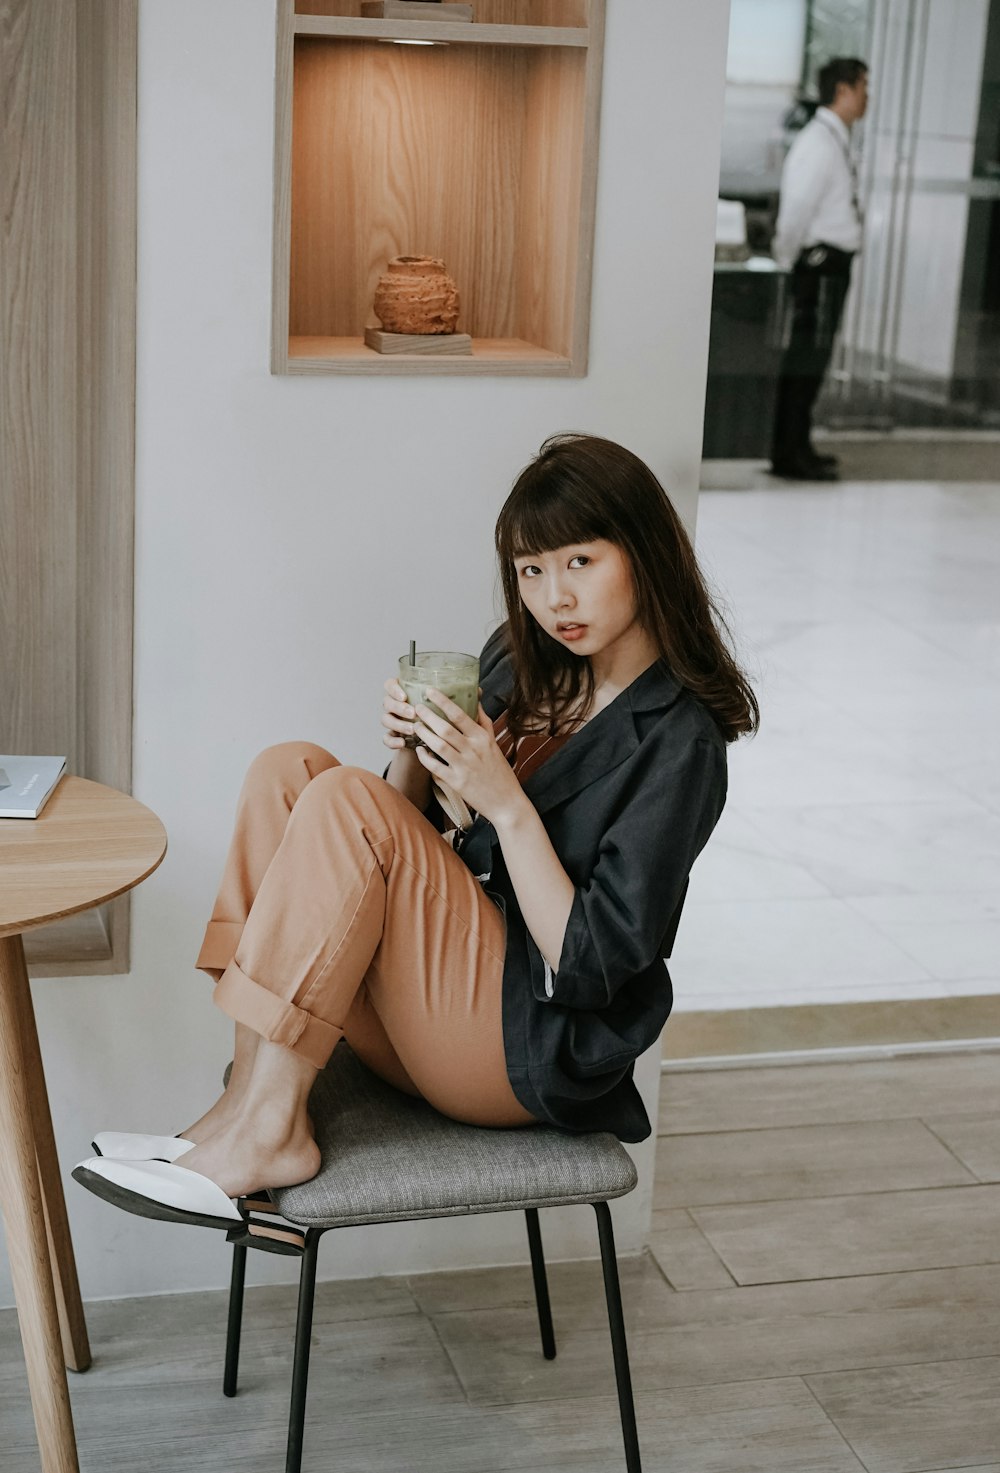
<point x="388" y="1157"/>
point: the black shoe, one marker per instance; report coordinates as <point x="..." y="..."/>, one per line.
<point x="824" y="459"/>
<point x="804" y="470"/>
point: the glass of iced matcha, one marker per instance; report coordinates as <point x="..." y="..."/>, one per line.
<point x="454" y="675"/>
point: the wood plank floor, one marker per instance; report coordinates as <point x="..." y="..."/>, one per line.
<point x="821" y="1295"/>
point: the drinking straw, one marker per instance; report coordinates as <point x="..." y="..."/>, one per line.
<point x="413" y="651"/>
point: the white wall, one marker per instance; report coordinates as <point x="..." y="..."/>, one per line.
<point x="293" y="533"/>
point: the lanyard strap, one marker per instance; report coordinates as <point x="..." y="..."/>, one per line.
<point x="849" y="160"/>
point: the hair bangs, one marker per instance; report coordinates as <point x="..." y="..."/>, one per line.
<point x="540" y="518"/>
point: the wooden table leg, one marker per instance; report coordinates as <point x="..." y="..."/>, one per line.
<point x="24" y="1215"/>
<point x="73" y="1326"/>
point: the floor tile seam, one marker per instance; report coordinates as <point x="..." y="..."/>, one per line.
<point x="806" y="1125"/>
<point x="728" y="902"/>
<point x="906" y="627"/>
<point x="834" y="1123"/>
<point x="836" y="1427"/>
<point x="838" y="1279"/>
<point x="842" y="1056"/>
<point x="902" y="1365"/>
<point x="672" y="1327"/>
<point x="964" y="893"/>
<point x="900" y="935"/>
<point x="951" y="1150"/>
<point x="964" y="1115"/>
<point x="788" y="1377"/>
<point x="708" y="1244"/>
<point x="874" y="1273"/>
<point x="844" y="1281"/>
<point x="320" y="1321"/>
<point x="890" y="710"/>
<point x="507" y="1410"/>
<point x="320" y="1317"/>
<point x="905" y="805"/>
<point x="659" y="1266"/>
<point x="730" y="1202"/>
<point x="463" y="1391"/>
<point x="959" y="1186"/>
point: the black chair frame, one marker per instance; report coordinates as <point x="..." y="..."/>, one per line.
<point x="307" y="1248"/>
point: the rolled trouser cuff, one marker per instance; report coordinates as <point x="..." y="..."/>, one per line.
<point x="281" y="1022"/>
<point x="219" y="946"/>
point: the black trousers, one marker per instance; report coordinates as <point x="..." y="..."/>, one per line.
<point x="819" y="282"/>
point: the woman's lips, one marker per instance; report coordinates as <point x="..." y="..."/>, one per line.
<point x="571" y="631"/>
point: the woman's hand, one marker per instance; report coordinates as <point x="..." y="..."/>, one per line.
<point x="476" y="768"/>
<point x="397" y="715"/>
<point x="404" y="772"/>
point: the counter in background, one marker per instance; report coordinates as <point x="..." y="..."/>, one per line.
<point x="745" y="345"/>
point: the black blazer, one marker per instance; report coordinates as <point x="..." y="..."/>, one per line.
<point x="628" y="803"/>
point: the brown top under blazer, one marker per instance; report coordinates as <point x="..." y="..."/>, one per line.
<point x="628" y="803"/>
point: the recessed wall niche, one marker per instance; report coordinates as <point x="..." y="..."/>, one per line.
<point x="480" y="149"/>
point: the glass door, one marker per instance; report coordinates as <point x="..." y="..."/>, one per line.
<point x="921" y="339"/>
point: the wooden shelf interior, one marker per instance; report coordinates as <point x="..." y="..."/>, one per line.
<point x="487" y="12"/>
<point x="473" y="153"/>
<point x="308" y="355"/>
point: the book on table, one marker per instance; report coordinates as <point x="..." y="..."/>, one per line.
<point x="27" y="783"/>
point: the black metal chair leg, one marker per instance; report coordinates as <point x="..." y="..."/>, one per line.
<point x="300" y="1365"/>
<point x="619" y="1344"/>
<point x="541" y="1283"/>
<point x="235" y="1320"/>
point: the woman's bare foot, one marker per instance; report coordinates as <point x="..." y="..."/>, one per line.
<point x="227" y="1107"/>
<point x="267" y="1139"/>
<point x="220" y="1115"/>
<point x="242" y="1160"/>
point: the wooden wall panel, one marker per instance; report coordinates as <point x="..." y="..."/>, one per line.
<point x="106" y="176"/>
<point x="67" y="391"/>
<point x="107" y="43"/>
<point x="37" y="378"/>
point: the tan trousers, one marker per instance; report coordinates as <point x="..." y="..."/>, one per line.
<point x="343" y="913"/>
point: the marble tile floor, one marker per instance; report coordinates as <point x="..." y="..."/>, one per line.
<point x="821" y="1294"/>
<point x="858" y="858"/>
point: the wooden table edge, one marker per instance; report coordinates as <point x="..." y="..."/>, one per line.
<point x="19" y="927"/>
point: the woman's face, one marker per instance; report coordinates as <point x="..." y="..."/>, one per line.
<point x="582" y="595"/>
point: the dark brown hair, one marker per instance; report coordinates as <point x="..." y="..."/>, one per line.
<point x="581" y="489"/>
<point x="846" y="69"/>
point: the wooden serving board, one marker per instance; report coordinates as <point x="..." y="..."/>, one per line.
<point x="413" y="10"/>
<point x="417" y="342"/>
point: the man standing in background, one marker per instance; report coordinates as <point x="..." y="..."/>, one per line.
<point x="817" y="236"/>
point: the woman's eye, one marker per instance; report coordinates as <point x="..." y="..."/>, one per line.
<point x="581" y="559"/>
<point x="529" y="570"/>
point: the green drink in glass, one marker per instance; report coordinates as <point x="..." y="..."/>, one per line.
<point x="454" y="675"/>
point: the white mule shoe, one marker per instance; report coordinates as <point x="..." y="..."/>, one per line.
<point x="123" y="1145"/>
<point x="159" y="1189"/>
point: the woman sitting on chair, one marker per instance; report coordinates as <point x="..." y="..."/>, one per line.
<point x="512" y="972"/>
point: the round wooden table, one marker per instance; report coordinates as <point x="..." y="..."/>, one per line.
<point x="89" y="844"/>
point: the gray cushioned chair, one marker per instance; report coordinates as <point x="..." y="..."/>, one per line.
<point x="387" y="1157"/>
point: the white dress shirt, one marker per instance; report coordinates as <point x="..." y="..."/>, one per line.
<point x="818" y="191"/>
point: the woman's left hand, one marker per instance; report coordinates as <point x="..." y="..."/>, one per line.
<point x="476" y="768"/>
